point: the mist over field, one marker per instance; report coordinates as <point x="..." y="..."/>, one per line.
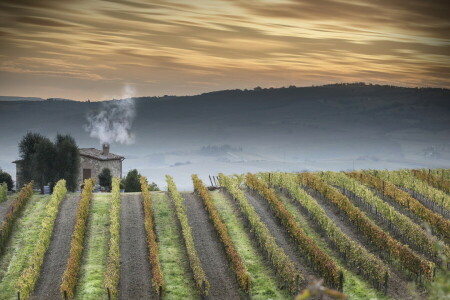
<point x="334" y="127"/>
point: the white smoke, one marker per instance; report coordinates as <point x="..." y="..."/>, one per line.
<point x="113" y="123"/>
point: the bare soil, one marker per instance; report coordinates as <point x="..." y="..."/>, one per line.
<point x="398" y="282"/>
<point x="220" y="275"/>
<point x="55" y="260"/>
<point x="135" y="272"/>
<point x="280" y="234"/>
<point x="4" y="206"/>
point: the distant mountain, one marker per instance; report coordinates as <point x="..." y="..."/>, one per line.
<point x="14" y="98"/>
<point x="332" y="127"/>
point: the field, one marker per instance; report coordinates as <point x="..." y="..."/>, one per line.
<point x="368" y="234"/>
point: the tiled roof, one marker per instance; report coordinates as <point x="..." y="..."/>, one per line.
<point x="98" y="154"/>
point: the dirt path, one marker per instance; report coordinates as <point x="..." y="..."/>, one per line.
<point x="55" y="260"/>
<point x="135" y="273"/>
<point x="223" y="284"/>
<point x="397" y="284"/>
<point x="4" y="206"/>
<point x="280" y="234"/>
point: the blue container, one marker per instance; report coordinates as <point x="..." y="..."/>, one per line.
<point x="46" y="190"/>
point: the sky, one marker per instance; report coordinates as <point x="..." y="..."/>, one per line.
<point x="89" y="49"/>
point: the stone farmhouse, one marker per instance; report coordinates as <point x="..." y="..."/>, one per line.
<point x="92" y="162"/>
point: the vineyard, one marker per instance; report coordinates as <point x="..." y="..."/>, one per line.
<point x="357" y="235"/>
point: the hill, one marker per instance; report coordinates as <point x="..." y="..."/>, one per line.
<point x="333" y="127"/>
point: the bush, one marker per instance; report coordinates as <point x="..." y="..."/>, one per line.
<point x="131" y="182"/>
<point x="6" y="178"/>
<point x="105" y="178"/>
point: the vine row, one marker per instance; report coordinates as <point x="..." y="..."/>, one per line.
<point x="157" y="275"/>
<point x="354" y="254"/>
<point x="284" y="267"/>
<point x="433" y="180"/>
<point x="12" y="213"/>
<point x="436" y="221"/>
<point x="407" y="229"/>
<point x="30" y="275"/>
<point x="240" y="270"/>
<point x="382" y="240"/>
<point x="200" y="279"/>
<point x="112" y="273"/>
<point x="319" y="260"/>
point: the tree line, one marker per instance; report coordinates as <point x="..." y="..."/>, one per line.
<point x="45" y="162"/>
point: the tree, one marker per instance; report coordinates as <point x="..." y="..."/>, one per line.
<point x="131" y="181"/>
<point x="67" y="160"/>
<point x="44" y="172"/>
<point x="105" y="178"/>
<point x="27" y="152"/>
<point x="5" y="177"/>
<point x="153" y="187"/>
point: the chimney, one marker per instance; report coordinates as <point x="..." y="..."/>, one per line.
<point x="105" y="149"/>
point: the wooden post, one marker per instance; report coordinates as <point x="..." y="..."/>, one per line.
<point x="210" y="180"/>
<point x="65" y="295"/>
<point x="18" y="295"/>
<point x="109" y="293"/>
<point x="386" y="278"/>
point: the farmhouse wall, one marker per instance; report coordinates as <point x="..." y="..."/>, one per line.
<point x="97" y="166"/>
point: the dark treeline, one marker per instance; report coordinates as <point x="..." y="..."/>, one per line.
<point x="45" y="162"/>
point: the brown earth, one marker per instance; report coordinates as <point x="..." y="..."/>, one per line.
<point x="135" y="272"/>
<point x="55" y="260"/>
<point x="220" y="275"/>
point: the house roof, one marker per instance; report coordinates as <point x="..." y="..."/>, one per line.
<point x="98" y="154"/>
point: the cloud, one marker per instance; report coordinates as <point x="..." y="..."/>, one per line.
<point x="226" y="44"/>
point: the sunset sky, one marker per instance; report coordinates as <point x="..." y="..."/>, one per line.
<point x="93" y="49"/>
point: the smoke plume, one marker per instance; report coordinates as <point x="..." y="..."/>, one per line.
<point x="114" y="121"/>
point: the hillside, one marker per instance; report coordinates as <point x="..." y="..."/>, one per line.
<point x="336" y="127"/>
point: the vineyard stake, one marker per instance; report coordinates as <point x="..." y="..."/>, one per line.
<point x="65" y="295"/>
<point x="109" y="293"/>
<point x="18" y="295"/>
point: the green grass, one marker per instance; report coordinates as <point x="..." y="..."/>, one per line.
<point x="21" y="245"/>
<point x="264" y="283"/>
<point x="93" y="264"/>
<point x="354" y="285"/>
<point x="179" y="281"/>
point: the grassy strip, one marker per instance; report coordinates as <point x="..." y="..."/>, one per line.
<point x="174" y="264"/>
<point x="412" y="232"/>
<point x="25" y="234"/>
<point x="13" y="212"/>
<point x="437" y="222"/>
<point x="319" y="260"/>
<point x="354" y="285"/>
<point x="70" y="276"/>
<point x="157" y="275"/>
<point x="112" y="274"/>
<point x="3" y="191"/>
<point x="200" y="279"/>
<point x="93" y="266"/>
<point x="240" y="270"/>
<point x="356" y="256"/>
<point x="281" y="263"/>
<point x="264" y="284"/>
<point x="433" y="180"/>
<point x="30" y="275"/>
<point x="382" y="240"/>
